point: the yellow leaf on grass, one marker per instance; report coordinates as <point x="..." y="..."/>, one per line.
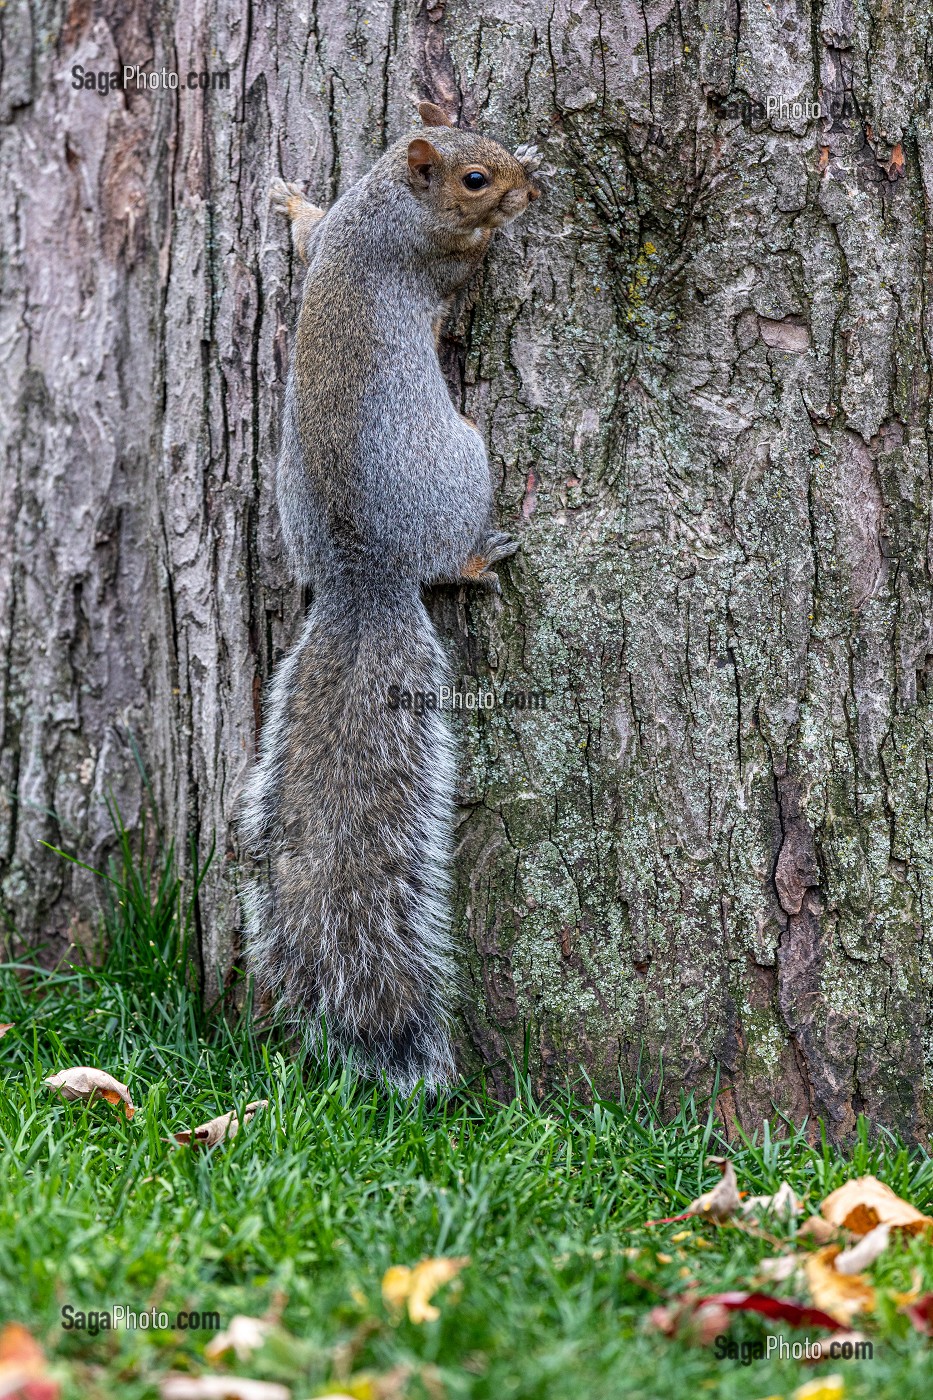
<point x="841" y="1295"/>
<point x="87" y="1083"/>
<point x="417" y="1286"/>
<point x="826" y="1388"/>
<point x="862" y="1204"/>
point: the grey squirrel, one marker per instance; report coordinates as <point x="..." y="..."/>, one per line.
<point x="382" y="486"/>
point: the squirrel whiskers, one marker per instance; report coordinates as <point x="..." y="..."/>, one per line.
<point x="381" y="486"/>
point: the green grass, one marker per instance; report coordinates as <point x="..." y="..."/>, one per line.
<point x="314" y="1200"/>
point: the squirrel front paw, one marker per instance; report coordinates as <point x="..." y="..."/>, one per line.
<point x="478" y="568"/>
<point x="290" y="199"/>
<point x="286" y="197"/>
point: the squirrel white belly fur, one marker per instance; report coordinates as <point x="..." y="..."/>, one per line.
<point x="382" y="486"/>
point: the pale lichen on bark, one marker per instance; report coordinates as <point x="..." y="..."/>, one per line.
<point x="702" y="365"/>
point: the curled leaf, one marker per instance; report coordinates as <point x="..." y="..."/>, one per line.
<point x="818" y="1230"/>
<point x="87" y="1083"/>
<point x="244" y="1335"/>
<point x="862" y="1255"/>
<point x="177" y="1387"/>
<point x="862" y="1204"/>
<point x="218" y="1129"/>
<point x="842" y="1295"/>
<point x="417" y="1286"/>
<point x="723" y="1200"/>
<point x="783" y="1203"/>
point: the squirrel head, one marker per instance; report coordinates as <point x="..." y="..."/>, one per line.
<point x="468" y="181"/>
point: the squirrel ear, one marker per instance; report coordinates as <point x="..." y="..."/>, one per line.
<point x="432" y="115"/>
<point x="422" y="158"/>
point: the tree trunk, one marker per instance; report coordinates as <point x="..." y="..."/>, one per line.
<point x="702" y="364"/>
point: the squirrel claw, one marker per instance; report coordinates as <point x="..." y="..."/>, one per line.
<point x="478" y="568"/>
<point x="499" y="546"/>
<point x="281" y="193"/>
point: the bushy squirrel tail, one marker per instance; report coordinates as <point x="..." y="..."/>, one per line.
<point x="348" y="816"/>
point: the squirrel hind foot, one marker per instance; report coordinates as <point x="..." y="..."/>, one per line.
<point x="479" y="567"/>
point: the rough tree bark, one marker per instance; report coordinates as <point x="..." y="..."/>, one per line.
<point x="703" y="367"/>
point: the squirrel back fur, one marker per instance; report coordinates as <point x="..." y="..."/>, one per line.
<point x="382" y="486"/>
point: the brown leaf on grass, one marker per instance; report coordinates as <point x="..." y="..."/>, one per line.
<point x="862" y="1204"/>
<point x="87" y="1083"/>
<point x="218" y="1129"/>
<point x="818" y="1230"/>
<point x="841" y="1295"/>
<point x="417" y="1286"/>
<point x="6" y="1026"/>
<point x="176" y="1387"/>
<point x="862" y="1255"/>
<point x="723" y="1200"/>
<point x="244" y="1335"/>
<point x="23" y="1368"/>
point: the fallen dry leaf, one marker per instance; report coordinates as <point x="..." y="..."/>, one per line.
<point x="826" y="1388"/>
<point x="218" y="1129"/>
<point x="862" y="1204"/>
<point x="782" y="1309"/>
<point x="23" y="1368"/>
<point x="691" y="1323"/>
<point x="417" y="1286"/>
<point x="221" y="1388"/>
<point x="6" y="1026"/>
<point x="783" y="1203"/>
<point x="723" y="1200"/>
<point x="817" y="1229"/>
<point x="244" y="1335"/>
<point x="862" y="1255"/>
<point x="780" y="1268"/>
<point x="85" y="1082"/>
<point x="841" y="1295"/>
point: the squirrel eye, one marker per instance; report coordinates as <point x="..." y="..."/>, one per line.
<point x="475" y="180"/>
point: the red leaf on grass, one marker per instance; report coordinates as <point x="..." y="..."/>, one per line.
<point x="783" y="1309"/>
<point x="921" y="1314"/>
